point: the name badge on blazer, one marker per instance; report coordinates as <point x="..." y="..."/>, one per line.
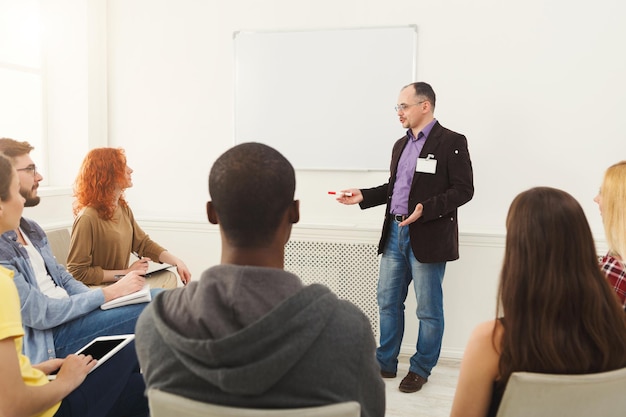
<point x="426" y="165"/>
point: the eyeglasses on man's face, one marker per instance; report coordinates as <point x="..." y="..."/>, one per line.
<point x="32" y="169"/>
<point x="403" y="107"/>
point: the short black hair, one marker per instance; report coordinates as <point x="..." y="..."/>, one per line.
<point x="424" y="90"/>
<point x="251" y="186"/>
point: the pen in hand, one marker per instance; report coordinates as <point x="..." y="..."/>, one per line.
<point x="141" y="260"/>
<point x="117" y="277"/>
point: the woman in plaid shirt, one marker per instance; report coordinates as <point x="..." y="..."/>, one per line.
<point x="612" y="202"/>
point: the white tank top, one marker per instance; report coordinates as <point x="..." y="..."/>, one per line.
<point x="46" y="284"/>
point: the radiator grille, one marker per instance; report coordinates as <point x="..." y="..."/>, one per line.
<point x="350" y="270"/>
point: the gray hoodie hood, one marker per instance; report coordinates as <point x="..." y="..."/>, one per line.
<point x="232" y="327"/>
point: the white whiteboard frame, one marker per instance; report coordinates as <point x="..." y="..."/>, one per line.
<point x="324" y="98"/>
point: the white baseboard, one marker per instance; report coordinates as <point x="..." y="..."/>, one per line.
<point x="406" y="351"/>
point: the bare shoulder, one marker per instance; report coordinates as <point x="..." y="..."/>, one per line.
<point x="486" y="338"/>
<point x="486" y="328"/>
<point x="479" y="369"/>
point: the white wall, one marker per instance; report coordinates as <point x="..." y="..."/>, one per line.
<point x="536" y="86"/>
<point x="75" y="84"/>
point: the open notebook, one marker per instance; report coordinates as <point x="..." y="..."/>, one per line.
<point x="141" y="296"/>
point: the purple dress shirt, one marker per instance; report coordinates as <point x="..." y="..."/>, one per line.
<point x="406" y="169"/>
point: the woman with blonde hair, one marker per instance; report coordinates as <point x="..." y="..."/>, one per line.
<point x="105" y="232"/>
<point x="556" y="313"/>
<point x="114" y="389"/>
<point x="612" y="202"/>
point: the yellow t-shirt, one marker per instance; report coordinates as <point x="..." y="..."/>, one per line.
<point x="11" y="326"/>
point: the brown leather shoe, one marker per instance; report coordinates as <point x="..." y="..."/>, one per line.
<point x="412" y="382"/>
<point x="386" y="374"/>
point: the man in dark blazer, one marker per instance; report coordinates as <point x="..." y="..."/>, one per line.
<point x="431" y="176"/>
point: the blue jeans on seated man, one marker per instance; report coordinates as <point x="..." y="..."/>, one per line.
<point x="75" y="334"/>
<point x="398" y="267"/>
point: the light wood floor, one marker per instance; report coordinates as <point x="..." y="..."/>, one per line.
<point x="435" y="397"/>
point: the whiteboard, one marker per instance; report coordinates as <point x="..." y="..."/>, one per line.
<point x="324" y="98"/>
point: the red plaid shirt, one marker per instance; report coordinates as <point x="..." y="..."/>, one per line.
<point x="616" y="274"/>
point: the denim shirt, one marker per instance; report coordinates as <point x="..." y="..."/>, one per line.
<point x="40" y="313"/>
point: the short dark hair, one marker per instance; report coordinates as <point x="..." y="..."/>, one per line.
<point x="6" y="177"/>
<point x="251" y="186"/>
<point x="424" y="90"/>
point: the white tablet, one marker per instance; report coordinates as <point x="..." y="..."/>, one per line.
<point x="102" y="348"/>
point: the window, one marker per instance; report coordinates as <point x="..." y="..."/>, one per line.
<point x="22" y="105"/>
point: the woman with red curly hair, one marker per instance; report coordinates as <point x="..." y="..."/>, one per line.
<point x="105" y="232"/>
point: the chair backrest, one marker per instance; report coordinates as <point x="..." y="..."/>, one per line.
<point x="542" y="395"/>
<point x="165" y="404"/>
<point x="59" y="240"/>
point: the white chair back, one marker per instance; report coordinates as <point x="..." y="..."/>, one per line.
<point x="59" y="241"/>
<point x="546" y="395"/>
<point x="165" y="404"/>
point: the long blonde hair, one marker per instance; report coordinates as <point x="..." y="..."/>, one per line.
<point x="613" y="194"/>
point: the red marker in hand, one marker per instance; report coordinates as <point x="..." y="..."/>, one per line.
<point x="340" y="193"/>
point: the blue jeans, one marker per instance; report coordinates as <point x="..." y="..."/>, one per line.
<point x="114" y="389"/>
<point x="75" y="334"/>
<point x="398" y="267"/>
